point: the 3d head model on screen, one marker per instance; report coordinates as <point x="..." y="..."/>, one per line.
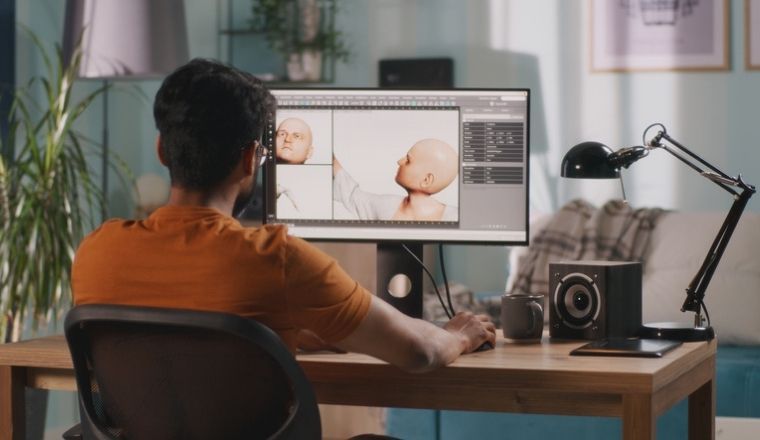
<point x="428" y="167"/>
<point x="293" y="141"/>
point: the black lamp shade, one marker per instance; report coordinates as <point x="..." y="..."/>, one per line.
<point x="589" y="160"/>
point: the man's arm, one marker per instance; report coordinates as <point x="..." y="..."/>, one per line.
<point x="415" y="345"/>
<point x="362" y="204"/>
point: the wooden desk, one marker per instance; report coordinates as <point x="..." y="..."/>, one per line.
<point x="539" y="378"/>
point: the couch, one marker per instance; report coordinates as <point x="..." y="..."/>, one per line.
<point x="678" y="245"/>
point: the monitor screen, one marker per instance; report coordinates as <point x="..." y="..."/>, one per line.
<point x="400" y="165"/>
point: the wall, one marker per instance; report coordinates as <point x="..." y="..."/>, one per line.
<point x="7" y="59"/>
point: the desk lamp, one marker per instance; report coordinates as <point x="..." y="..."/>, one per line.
<point x="597" y="161"/>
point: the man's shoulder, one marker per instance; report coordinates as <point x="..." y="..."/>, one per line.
<point x="262" y="233"/>
<point x="138" y="231"/>
<point x="108" y="228"/>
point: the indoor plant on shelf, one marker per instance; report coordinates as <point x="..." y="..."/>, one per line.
<point x="49" y="197"/>
<point x="302" y="32"/>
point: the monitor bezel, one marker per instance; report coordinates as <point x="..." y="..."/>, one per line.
<point x="270" y="164"/>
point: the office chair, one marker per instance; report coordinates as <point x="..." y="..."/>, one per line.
<point x="151" y="373"/>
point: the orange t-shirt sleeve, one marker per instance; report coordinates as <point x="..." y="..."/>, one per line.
<point x="321" y="296"/>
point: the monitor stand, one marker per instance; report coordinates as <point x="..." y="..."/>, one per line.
<point x="399" y="277"/>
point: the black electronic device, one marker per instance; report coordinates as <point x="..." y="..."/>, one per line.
<point x="417" y="73"/>
<point x="356" y="176"/>
<point x="594" y="299"/>
<point x="484" y="347"/>
<point x="629" y="347"/>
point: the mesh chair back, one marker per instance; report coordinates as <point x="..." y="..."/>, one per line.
<point x="150" y="373"/>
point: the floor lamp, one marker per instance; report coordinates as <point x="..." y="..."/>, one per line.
<point x="127" y="40"/>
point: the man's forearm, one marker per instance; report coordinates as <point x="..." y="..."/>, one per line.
<point x="415" y="345"/>
<point x="443" y="347"/>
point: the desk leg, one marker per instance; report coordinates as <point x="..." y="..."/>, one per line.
<point x="702" y="412"/>
<point x="638" y="417"/>
<point x="12" y="403"/>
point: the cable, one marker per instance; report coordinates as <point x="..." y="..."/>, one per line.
<point x="445" y="280"/>
<point x="430" y="275"/>
<point x="707" y="314"/>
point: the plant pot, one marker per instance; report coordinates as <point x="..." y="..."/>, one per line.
<point x="305" y="66"/>
<point x="312" y="65"/>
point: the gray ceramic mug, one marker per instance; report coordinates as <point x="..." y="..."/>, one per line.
<point x="522" y="317"/>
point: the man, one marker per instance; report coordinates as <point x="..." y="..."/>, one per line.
<point x="293" y="142"/>
<point x="192" y="254"/>
<point x="426" y="169"/>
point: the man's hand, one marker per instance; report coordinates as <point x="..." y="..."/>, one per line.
<point x="336" y="166"/>
<point x="474" y="330"/>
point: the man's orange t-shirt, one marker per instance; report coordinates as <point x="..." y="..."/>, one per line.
<point x="198" y="258"/>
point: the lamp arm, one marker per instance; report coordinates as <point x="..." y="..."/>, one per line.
<point x="716" y="176"/>
<point x="695" y="293"/>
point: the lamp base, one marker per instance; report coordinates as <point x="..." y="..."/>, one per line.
<point x="676" y="331"/>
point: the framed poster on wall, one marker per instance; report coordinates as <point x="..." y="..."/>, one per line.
<point x="752" y="34"/>
<point x="640" y="35"/>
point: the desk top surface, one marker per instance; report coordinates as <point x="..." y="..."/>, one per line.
<point x="547" y="361"/>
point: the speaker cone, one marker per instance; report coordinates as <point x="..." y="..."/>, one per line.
<point x="577" y="300"/>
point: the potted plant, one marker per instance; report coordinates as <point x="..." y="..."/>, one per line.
<point x="49" y="197"/>
<point x="302" y="32"/>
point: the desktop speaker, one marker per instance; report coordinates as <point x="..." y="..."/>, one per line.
<point x="594" y="299"/>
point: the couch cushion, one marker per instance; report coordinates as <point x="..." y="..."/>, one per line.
<point x="678" y="246"/>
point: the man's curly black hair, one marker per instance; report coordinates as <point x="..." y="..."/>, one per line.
<point x="206" y="113"/>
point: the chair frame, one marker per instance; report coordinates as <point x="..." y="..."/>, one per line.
<point x="302" y="423"/>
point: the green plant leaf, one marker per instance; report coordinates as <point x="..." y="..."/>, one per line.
<point x="49" y="196"/>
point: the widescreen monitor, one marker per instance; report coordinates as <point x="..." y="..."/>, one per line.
<point x="444" y="166"/>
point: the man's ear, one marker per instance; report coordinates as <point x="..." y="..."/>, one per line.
<point x="248" y="159"/>
<point x="428" y="181"/>
<point x="309" y="152"/>
<point x="160" y="152"/>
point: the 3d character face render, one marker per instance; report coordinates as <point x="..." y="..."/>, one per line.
<point x="428" y="167"/>
<point x="293" y="141"/>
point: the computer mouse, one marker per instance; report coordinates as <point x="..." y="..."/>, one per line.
<point x="485" y="346"/>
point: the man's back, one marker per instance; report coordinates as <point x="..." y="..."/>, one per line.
<point x="198" y="258"/>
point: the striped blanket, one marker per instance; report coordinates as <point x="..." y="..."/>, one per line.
<point x="580" y="231"/>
